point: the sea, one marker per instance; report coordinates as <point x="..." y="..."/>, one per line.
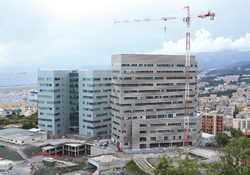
<point x="14" y="79"/>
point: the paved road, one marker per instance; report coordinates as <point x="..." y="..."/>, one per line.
<point x="144" y="165"/>
<point x="13" y="146"/>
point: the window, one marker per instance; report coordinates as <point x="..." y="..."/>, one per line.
<point x="57" y="84"/>
<point x="45" y="84"/>
<point x="40" y="78"/>
<point x="45" y="108"/>
<point x="100" y="115"/>
<point x="143" y="132"/>
<point x="143" y="139"/>
<point x="48" y="79"/>
<point x="143" y="91"/>
<point x="90" y="109"/>
<point x="125" y="78"/>
<point x="87" y="97"/>
<point x="53" y="114"/>
<point x="56" y="79"/>
<point x="49" y="126"/>
<point x="107" y="90"/>
<point x="138" y="71"/>
<point x="149" y="78"/>
<point x="165" y="65"/>
<point x="53" y="102"/>
<point x="91" y="79"/>
<point x="169" y="71"/>
<point x="180" y="65"/>
<point x="91" y="91"/>
<point x="129" y="85"/>
<point x="143" y="125"/>
<point x="47" y="120"/>
<point x="165" y="84"/>
<point x="48" y="90"/>
<point x="44" y="96"/>
<point x="153" y="138"/>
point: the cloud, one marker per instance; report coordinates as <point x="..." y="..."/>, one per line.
<point x="204" y="42"/>
<point x="4" y="61"/>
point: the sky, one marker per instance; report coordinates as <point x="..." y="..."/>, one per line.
<point x="76" y="34"/>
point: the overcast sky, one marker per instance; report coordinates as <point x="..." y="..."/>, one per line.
<point x="72" y="34"/>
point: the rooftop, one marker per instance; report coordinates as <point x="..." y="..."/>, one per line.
<point x="17" y="133"/>
<point x="206" y="134"/>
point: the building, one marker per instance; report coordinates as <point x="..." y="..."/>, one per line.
<point x="21" y="136"/>
<point x="241" y="124"/>
<point x="69" y="147"/>
<point x="29" y="109"/>
<point x="148" y="101"/>
<point x="212" y="123"/>
<point x="207" y="138"/>
<point x="74" y="100"/>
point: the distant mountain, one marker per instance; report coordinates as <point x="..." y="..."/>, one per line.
<point x="228" y="58"/>
<point x="235" y="70"/>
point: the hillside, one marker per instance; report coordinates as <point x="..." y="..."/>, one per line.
<point x="231" y="70"/>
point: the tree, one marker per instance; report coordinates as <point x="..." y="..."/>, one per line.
<point x="184" y="166"/>
<point x="221" y="139"/>
<point x="235" y="158"/>
<point x="13" y="113"/>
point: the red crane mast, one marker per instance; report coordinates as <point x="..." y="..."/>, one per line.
<point x="187" y="65"/>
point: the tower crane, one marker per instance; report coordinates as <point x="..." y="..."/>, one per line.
<point x="187" y="65"/>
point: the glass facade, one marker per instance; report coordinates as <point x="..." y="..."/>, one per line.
<point x="74" y="99"/>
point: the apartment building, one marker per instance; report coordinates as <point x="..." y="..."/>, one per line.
<point x="74" y="101"/>
<point x="148" y="101"/>
<point x="241" y="124"/>
<point x="212" y="123"/>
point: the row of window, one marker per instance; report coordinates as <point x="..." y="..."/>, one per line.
<point x="50" y="114"/>
<point x="151" y="71"/>
<point x="49" y="84"/>
<point x="49" y="90"/>
<point x="49" y="79"/>
<point x="48" y="120"/>
<point x="96" y="91"/>
<point x="140" y="110"/>
<point x="96" y="109"/>
<point x="148" y="65"/>
<point x="97" y="103"/>
<point x="49" y="102"/>
<point x="96" y="79"/>
<point x="132" y="85"/>
<point x="149" y="91"/>
<point x="97" y="85"/>
<point x="151" y="110"/>
<point x="165" y="124"/>
<point x="97" y="127"/>
<point x="159" y="103"/>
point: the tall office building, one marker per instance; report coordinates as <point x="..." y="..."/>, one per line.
<point x="74" y="100"/>
<point x="148" y="101"/>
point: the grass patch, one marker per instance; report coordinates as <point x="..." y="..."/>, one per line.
<point x="30" y="151"/>
<point x="81" y="164"/>
<point x="133" y="169"/>
<point x="10" y="154"/>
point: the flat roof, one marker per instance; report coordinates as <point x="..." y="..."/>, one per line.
<point x="73" y="144"/>
<point x="47" y="147"/>
<point x="20" y="134"/>
<point x="207" y="135"/>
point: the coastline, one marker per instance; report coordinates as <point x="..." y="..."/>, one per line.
<point x="17" y="88"/>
